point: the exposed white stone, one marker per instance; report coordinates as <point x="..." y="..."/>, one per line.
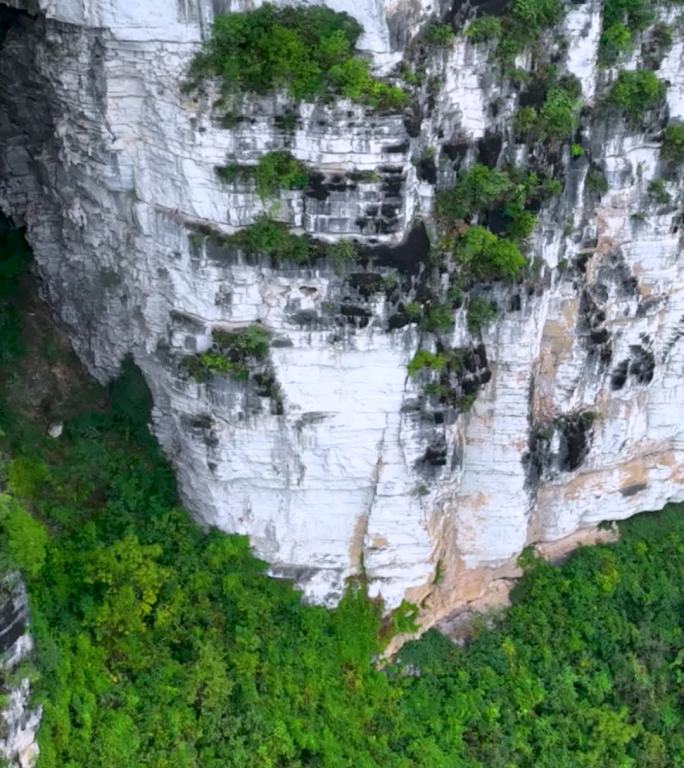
<point x="582" y="27"/>
<point x="55" y="430"/>
<point x="19" y="720"/>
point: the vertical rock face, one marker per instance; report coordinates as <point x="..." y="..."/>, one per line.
<point x="18" y="720"/>
<point x="338" y="462"/>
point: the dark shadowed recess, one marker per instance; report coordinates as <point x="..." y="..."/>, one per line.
<point x="9" y="17"/>
<point x="407" y="257"/>
<point x="12" y="620"/>
<point x="464" y="8"/>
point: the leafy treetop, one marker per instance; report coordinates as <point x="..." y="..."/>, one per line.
<point x="307" y="51"/>
<point x="636" y="92"/>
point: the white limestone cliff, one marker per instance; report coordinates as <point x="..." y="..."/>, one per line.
<point x="19" y="719"/>
<point x="111" y="166"/>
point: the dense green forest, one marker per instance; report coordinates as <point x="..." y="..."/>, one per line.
<point x="161" y="645"/>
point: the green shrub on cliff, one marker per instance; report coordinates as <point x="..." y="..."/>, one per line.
<point x="481" y="313"/>
<point x="24" y="539"/>
<point x="556" y="118"/>
<point x="439" y="35"/>
<point x="279" y="170"/>
<point x="231" y="353"/>
<point x="307" y="51"/>
<point x="274" y="171"/>
<point x="621" y="20"/>
<point x="481" y="192"/>
<point x="558" y="115"/>
<point x="424" y="359"/>
<point x="483" y="29"/>
<point x="488" y="257"/>
<point x="478" y="188"/>
<point x="673" y="142"/>
<point x="522" y="25"/>
<point x="272" y="238"/>
<point x="635" y="92"/>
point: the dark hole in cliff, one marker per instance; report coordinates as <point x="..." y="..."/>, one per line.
<point x="12" y="623"/>
<point x="265" y="384"/>
<point x="203" y="421"/>
<point x="436" y="453"/>
<point x="481" y="7"/>
<point x="632" y="490"/>
<point x="619" y="375"/>
<point x="366" y="283"/>
<point x="489" y="149"/>
<point x="412" y="122"/>
<point x="642" y="365"/>
<point x="575" y="440"/>
<point x="386" y="226"/>
<point x="407" y="256"/>
<point x="605" y="354"/>
<point x="497" y="221"/>
<point x="400" y="148"/>
<point x="581" y="262"/>
<point x="316" y="188"/>
<point x="600" y="335"/>
<point x="398" y="320"/>
<point x="427" y="170"/>
<point x="338" y="184"/>
<point x="456" y="150"/>
<point x="485" y="376"/>
<point x="392" y="185"/>
<point x="475" y="358"/>
<point x="10" y="17"/>
<point x="359" y="316"/>
<point x="535" y="93"/>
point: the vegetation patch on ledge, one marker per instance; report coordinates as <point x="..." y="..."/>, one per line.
<point x="231" y="353"/>
<point x="521" y="26"/>
<point x="555" y="119"/>
<point x="306" y="51"/>
<point x="267" y="237"/>
<point x="484" y="199"/>
<point x="274" y="171"/>
<point x="637" y="93"/>
<point x="623" y="21"/>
